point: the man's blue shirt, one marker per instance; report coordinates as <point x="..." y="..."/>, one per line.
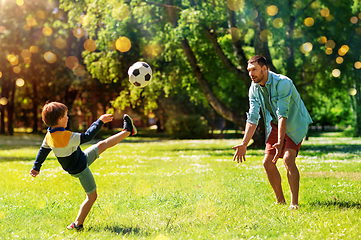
<point x="285" y="102"/>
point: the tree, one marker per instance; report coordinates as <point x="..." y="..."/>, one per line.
<point x="203" y="46"/>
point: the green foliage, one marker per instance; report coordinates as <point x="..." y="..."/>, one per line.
<point x="187" y="126"/>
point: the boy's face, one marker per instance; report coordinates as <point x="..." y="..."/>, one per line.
<point x="63" y="121"/>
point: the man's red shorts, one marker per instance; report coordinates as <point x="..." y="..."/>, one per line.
<point x="273" y="138"/>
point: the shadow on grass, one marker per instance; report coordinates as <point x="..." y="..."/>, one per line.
<point x="121" y="230"/>
<point x="349" y="148"/>
<point x="338" y="203"/>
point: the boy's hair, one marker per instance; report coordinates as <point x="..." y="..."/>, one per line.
<point x="262" y="61"/>
<point x="51" y="113"/>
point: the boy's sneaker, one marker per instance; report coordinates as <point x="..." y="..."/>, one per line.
<point x="128" y="125"/>
<point x="75" y="227"/>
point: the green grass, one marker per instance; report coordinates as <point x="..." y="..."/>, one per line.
<point x="168" y="189"/>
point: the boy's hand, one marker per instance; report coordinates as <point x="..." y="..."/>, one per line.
<point x="106" y="118"/>
<point x="34" y="173"/>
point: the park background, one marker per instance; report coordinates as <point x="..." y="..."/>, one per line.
<point x="78" y="52"/>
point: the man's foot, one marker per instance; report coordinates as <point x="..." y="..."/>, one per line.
<point x="293" y="207"/>
<point x="128" y="125"/>
<point x="75" y="227"/>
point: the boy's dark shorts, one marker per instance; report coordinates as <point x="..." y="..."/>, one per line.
<point x="273" y="139"/>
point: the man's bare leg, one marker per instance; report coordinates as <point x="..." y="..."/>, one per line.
<point x="274" y="178"/>
<point x="293" y="174"/>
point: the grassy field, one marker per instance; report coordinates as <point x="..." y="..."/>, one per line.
<point x="191" y="189"/>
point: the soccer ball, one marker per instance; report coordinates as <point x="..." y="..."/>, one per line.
<point x="140" y="74"/>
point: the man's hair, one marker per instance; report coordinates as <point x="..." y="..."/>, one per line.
<point x="51" y="113"/>
<point x="262" y="61"/>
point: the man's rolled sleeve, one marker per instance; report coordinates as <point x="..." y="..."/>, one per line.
<point x="284" y="95"/>
<point x="253" y="115"/>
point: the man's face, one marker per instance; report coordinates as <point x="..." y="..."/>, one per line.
<point x="257" y="73"/>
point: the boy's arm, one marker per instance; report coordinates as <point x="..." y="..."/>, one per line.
<point x="95" y="127"/>
<point x="40" y="158"/>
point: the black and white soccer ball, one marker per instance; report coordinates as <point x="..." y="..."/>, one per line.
<point x="140" y="74"/>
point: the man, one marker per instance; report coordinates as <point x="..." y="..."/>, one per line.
<point x="286" y="121"/>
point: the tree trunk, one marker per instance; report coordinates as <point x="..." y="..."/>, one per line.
<point x="10" y="108"/>
<point x="218" y="106"/>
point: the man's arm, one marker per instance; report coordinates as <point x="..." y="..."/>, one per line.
<point x="282" y="123"/>
<point x="241" y="149"/>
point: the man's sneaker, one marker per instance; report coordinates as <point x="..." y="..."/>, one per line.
<point x="75" y="227"/>
<point x="128" y="125"/>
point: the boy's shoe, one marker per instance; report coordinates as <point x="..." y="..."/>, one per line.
<point x="75" y="227"/>
<point x="128" y="125"/>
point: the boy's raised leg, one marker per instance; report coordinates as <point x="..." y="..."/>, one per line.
<point x="128" y="130"/>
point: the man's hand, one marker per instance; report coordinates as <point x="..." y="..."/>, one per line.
<point x="106" y="118"/>
<point x="34" y="173"/>
<point x="240" y="154"/>
<point x="279" y="149"/>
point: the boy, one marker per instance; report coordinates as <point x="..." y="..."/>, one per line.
<point x="76" y="162"/>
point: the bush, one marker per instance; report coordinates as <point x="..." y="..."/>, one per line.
<point x="187" y="127"/>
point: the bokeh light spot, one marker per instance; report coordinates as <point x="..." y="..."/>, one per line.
<point x="72" y="62"/>
<point x="90" y="45"/>
<point x="26" y="53"/>
<point x="3" y="101"/>
<point x="329" y="18"/>
<point x="325" y="12"/>
<point x="309" y="22"/>
<point x="16" y="69"/>
<point x="123" y="44"/>
<point x="278" y="23"/>
<point x="358" y="65"/>
<point x="2" y="29"/>
<point x="79" y="71"/>
<point x="336" y="72"/>
<point x="328" y="51"/>
<point x="354" y="20"/>
<point x="322" y="40"/>
<point x="1" y="74"/>
<point x="78" y="32"/>
<point x="339" y="60"/>
<point x="47" y="31"/>
<point x="60" y="43"/>
<point x="343" y="50"/>
<point x="50" y="57"/>
<point x="306" y="47"/>
<point x="235" y="34"/>
<point x="41" y="14"/>
<point x="235" y="5"/>
<point x="20" y="2"/>
<point x="121" y="12"/>
<point x="27" y="60"/>
<point x="34" y="49"/>
<point x="20" y="82"/>
<point x="330" y="44"/>
<point x="13" y="59"/>
<point x="352" y="91"/>
<point x="31" y="22"/>
<point x="272" y="10"/>
<point x="264" y="35"/>
<point x="153" y="50"/>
